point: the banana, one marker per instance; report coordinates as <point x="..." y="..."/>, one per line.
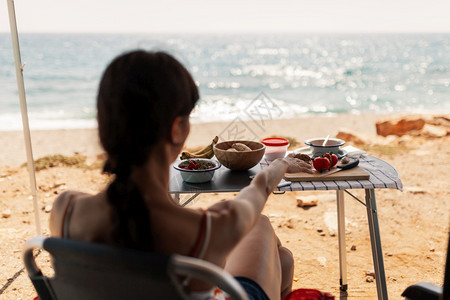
<point x="187" y="155"/>
<point x="206" y="152"/>
<point x="207" y="148"/>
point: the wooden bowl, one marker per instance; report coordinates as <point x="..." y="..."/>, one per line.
<point x="241" y="160"/>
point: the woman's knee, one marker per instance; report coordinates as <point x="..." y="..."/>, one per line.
<point x="287" y="270"/>
<point x="286" y="258"/>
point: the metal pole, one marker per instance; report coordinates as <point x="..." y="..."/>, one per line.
<point x="23" y="109"/>
<point x="375" y="240"/>
<point x="341" y="235"/>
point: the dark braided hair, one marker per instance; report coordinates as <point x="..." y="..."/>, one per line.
<point x="140" y="95"/>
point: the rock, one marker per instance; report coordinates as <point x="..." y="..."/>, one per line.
<point x="433" y="131"/>
<point x="289" y="224"/>
<point x="322" y="261"/>
<point x="6" y="213"/>
<point x="319" y="229"/>
<point x="353" y="248"/>
<point x="370" y="273"/>
<point x="399" y="127"/>
<point x="415" y="190"/>
<point x="390" y="140"/>
<point x="349" y="137"/>
<point x="440" y="121"/>
<point x="369" y="279"/>
<point x="303" y="202"/>
<point x="48" y="208"/>
<point x="405" y="140"/>
<point x="332" y="233"/>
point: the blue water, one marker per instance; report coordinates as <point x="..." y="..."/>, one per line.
<point x="297" y="74"/>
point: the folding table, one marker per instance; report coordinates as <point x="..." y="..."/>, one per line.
<point x="382" y="176"/>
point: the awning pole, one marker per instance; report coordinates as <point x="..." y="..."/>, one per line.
<point x="23" y="109"/>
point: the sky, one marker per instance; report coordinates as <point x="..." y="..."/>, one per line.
<point x="205" y="16"/>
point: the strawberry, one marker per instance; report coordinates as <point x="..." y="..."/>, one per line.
<point x="192" y="165"/>
<point x="321" y="163"/>
<point x="332" y="158"/>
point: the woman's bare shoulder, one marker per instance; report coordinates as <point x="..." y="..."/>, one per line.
<point x="59" y="206"/>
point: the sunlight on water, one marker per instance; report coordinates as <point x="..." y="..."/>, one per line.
<point x="300" y="74"/>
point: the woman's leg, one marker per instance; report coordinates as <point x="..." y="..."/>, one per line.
<point x="257" y="257"/>
<point x="287" y="270"/>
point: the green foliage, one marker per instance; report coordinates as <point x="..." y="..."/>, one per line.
<point x="58" y="160"/>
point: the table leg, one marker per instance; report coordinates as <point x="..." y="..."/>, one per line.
<point x="341" y="235"/>
<point x="189" y="200"/>
<point x="375" y="241"/>
<point x="176" y="197"/>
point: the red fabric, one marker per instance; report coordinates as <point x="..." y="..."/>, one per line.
<point x="308" y="294"/>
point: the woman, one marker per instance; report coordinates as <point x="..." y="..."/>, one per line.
<point x="143" y="103"/>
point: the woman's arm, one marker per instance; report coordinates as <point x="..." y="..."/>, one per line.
<point x="255" y="195"/>
<point x="242" y="213"/>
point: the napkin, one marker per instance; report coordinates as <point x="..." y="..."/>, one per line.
<point x="354" y="152"/>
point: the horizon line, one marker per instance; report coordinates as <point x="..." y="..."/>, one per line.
<point x="231" y="32"/>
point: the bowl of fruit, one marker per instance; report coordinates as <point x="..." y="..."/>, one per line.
<point x="197" y="170"/>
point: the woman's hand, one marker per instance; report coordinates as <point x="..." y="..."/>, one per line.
<point x="296" y="165"/>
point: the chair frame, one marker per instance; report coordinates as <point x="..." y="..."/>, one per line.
<point x="430" y="291"/>
<point x="173" y="266"/>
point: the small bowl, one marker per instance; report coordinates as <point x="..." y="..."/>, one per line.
<point x="240" y="160"/>
<point x="197" y="176"/>
<point x="275" y="148"/>
<point x="317" y="149"/>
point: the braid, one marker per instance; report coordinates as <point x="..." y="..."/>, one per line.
<point x="130" y="214"/>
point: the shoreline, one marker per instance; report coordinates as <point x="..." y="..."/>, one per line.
<point x="85" y="141"/>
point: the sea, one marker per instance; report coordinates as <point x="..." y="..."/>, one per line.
<point x="282" y="75"/>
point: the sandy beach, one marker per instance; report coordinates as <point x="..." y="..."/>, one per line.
<point x="414" y="223"/>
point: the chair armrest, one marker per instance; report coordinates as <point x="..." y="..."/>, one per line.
<point x="189" y="266"/>
<point x="423" y="291"/>
<point x="28" y="258"/>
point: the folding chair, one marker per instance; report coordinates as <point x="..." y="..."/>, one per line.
<point x="94" y="271"/>
<point x="429" y="291"/>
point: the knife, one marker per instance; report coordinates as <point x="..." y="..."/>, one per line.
<point x="340" y="167"/>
